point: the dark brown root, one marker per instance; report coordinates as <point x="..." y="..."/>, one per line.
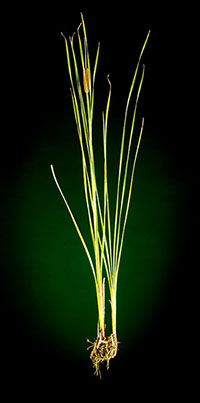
<point x="103" y="350"/>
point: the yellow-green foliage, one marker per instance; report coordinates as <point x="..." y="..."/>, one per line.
<point x="107" y="239"/>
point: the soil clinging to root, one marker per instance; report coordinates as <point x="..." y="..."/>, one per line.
<point x="103" y="350"/>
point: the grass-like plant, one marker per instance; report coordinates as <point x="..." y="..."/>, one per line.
<point x="107" y="237"/>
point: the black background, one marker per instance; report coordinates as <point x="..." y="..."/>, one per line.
<point x="36" y="92"/>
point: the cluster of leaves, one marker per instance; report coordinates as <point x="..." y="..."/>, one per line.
<point x="107" y="237"/>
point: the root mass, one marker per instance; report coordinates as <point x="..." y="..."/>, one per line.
<point x="103" y="350"/>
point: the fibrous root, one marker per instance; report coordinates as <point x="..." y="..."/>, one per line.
<point x="103" y="350"/>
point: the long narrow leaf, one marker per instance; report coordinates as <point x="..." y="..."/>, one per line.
<point x="75" y="223"/>
<point x="122" y="148"/>
<point x="126" y="166"/>
<point x="129" y="198"/>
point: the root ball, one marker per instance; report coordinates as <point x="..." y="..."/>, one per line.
<point x="103" y="350"/>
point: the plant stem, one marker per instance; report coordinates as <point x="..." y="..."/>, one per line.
<point x="114" y="310"/>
